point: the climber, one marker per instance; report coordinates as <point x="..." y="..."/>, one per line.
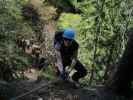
<point x="66" y="51"/>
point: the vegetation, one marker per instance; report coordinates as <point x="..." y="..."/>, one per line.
<point x="102" y="34"/>
<point x="101" y="26"/>
<point x="11" y="25"/>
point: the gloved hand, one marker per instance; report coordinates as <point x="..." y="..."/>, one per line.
<point x="73" y="62"/>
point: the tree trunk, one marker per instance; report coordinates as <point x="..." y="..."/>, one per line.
<point x="121" y="80"/>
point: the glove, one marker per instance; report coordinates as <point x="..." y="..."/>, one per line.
<point x="73" y="62"/>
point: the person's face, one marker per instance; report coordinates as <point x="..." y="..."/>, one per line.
<point x="67" y="42"/>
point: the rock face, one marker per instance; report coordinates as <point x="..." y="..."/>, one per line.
<point x="5" y="90"/>
<point x="54" y="90"/>
<point x="57" y="90"/>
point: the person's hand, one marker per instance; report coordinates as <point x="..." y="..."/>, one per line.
<point x="73" y="62"/>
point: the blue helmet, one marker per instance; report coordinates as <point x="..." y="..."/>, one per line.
<point x="69" y="33"/>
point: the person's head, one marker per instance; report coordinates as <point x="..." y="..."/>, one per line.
<point x="68" y="36"/>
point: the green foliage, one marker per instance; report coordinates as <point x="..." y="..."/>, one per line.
<point x="11" y="25"/>
<point x="102" y="33"/>
<point x="11" y="21"/>
<point x="48" y="73"/>
<point x="104" y="36"/>
<point x="69" y="20"/>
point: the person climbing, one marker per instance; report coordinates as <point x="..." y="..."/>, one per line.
<point x="66" y="51"/>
